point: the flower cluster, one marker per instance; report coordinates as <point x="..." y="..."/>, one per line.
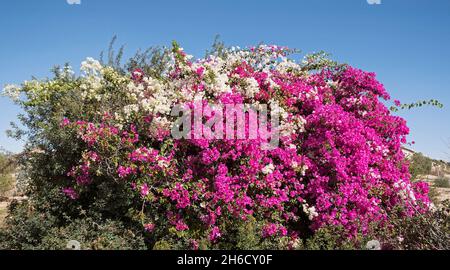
<point x="12" y="91"/>
<point x="339" y="160"/>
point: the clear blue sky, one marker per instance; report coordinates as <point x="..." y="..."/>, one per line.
<point x="406" y="42"/>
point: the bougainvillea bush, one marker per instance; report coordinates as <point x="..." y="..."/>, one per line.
<point x="102" y="142"/>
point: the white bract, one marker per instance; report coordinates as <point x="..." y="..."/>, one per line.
<point x="12" y="91"/>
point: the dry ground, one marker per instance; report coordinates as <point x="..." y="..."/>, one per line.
<point x="444" y="194"/>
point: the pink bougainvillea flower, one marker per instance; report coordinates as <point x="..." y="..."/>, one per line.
<point x="215" y="234"/>
<point x="144" y="190"/>
<point x="65" y="122"/>
<point x="149" y="227"/>
<point x="70" y="192"/>
<point x="181" y="226"/>
<point x="137" y="75"/>
<point x="194" y="244"/>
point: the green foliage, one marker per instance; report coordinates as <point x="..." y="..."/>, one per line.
<point x="218" y="47"/>
<point x="100" y="220"/>
<point x="114" y="59"/>
<point x="329" y="239"/>
<point x="29" y="228"/>
<point x="162" y="245"/>
<point x="6" y="183"/>
<point x="247" y="235"/>
<point x="418" y="104"/>
<point x="240" y="236"/>
<point x="419" y="165"/>
<point x="316" y="61"/>
<point x="153" y="61"/>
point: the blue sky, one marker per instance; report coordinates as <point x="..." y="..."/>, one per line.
<point x="406" y="42"/>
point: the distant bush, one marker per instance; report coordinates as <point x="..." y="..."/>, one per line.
<point x="6" y="170"/>
<point x="434" y="195"/>
<point x="419" y="165"/>
<point x="442" y="183"/>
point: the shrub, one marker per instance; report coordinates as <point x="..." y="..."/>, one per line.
<point x="27" y="228"/>
<point x="442" y="183"/>
<point x="434" y="195"/>
<point x="420" y="165"/>
<point x="100" y="151"/>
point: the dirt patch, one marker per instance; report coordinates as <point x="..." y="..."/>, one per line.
<point x="444" y="194"/>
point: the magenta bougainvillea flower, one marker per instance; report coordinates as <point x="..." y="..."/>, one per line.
<point x="70" y="192"/>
